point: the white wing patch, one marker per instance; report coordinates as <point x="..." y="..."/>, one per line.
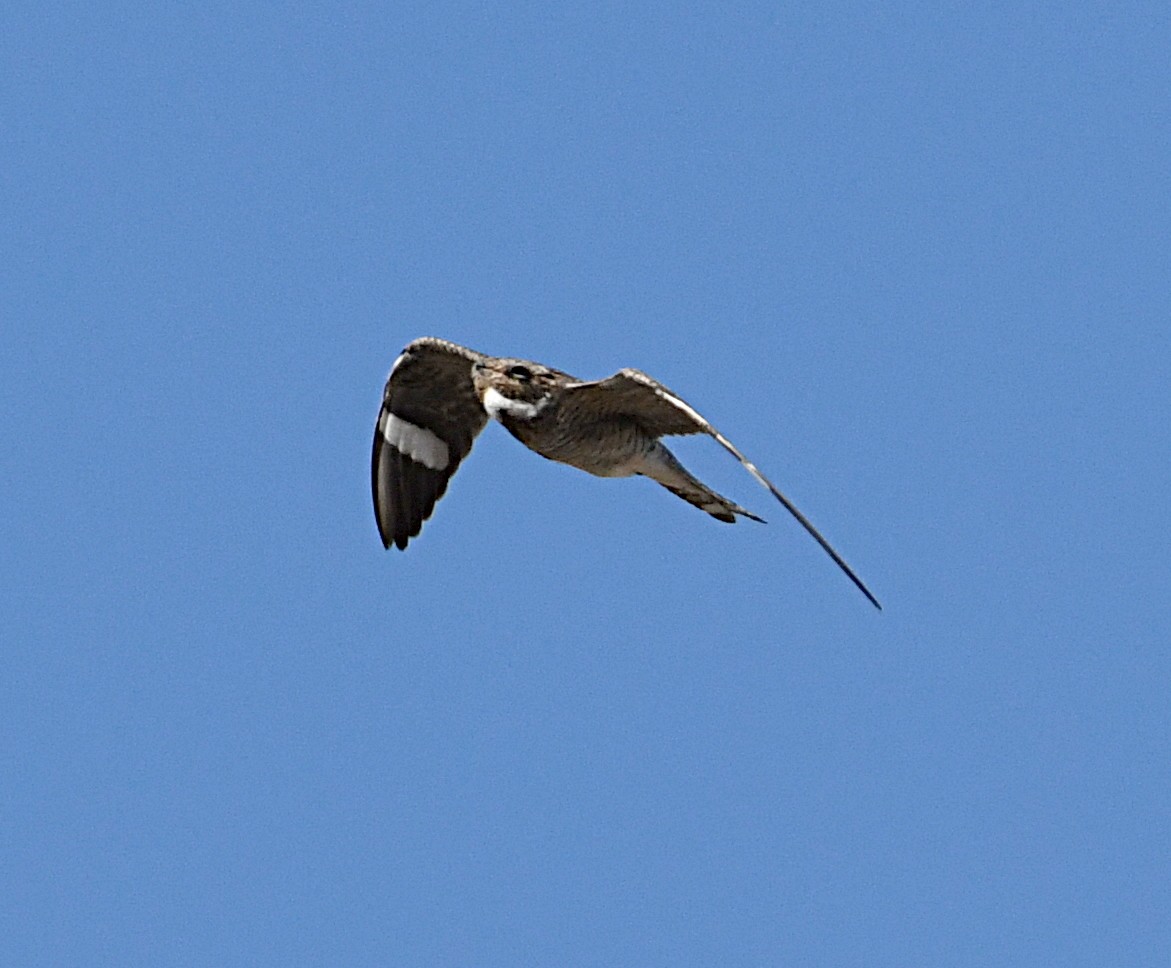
<point x="720" y="438"/>
<point x="418" y="443"/>
<point x="680" y="405"/>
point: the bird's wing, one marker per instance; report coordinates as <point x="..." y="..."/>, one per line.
<point x="632" y="395"/>
<point x="430" y="415"/>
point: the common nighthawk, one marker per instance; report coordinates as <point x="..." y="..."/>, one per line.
<point x="439" y="396"/>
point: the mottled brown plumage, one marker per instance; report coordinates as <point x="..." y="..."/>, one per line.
<point x="439" y="395"/>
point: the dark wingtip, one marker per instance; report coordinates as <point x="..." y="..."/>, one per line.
<point x="385" y="538"/>
<point x="858" y="583"/>
<point x="854" y="578"/>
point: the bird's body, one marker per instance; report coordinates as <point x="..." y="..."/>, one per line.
<point x="439" y="395"/>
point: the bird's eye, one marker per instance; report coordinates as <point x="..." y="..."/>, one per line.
<point x="520" y="373"/>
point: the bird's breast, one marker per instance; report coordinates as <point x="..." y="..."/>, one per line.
<point x="605" y="448"/>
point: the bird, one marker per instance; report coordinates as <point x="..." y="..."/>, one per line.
<point x="440" y="395"/>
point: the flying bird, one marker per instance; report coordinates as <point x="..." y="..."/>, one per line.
<point x="439" y="396"/>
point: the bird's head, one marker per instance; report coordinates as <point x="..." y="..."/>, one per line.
<point x="516" y="389"/>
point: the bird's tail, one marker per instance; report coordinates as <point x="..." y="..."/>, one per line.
<point x="663" y="466"/>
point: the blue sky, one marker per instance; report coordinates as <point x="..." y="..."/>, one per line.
<point x="913" y="259"/>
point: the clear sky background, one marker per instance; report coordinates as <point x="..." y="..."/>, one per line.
<point x="913" y="258"/>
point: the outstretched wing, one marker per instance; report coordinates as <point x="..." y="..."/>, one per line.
<point x="430" y="415"/>
<point x="633" y="395"/>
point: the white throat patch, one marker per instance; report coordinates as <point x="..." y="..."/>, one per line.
<point x="497" y="403"/>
